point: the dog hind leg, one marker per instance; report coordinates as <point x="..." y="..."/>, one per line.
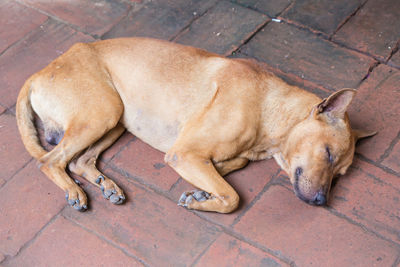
<point x="77" y="137"/>
<point x="85" y="166"/>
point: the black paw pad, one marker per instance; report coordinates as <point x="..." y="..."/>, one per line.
<point x="187" y="197"/>
<point x="75" y="203"/>
<point x="99" y="179"/>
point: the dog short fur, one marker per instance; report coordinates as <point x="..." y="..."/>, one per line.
<point x="211" y="115"/>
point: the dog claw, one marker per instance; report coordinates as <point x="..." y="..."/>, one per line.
<point x="188" y="197"/>
<point x="111" y="194"/>
<point x="115" y="199"/>
<point x="75" y="203"/>
<point x="100" y="179"/>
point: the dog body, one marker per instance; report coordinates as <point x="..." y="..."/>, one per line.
<point x="208" y="113"/>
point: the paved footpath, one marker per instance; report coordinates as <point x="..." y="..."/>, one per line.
<point x="321" y="46"/>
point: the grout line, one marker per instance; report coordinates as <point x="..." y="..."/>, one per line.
<point x="182" y="31"/>
<point x="133" y="9"/>
<point x="57" y="19"/>
<point x="394" y="51"/>
<point x="175" y="184"/>
<point x="35" y="236"/>
<point x="378" y="165"/>
<point x="197" y="259"/>
<point x="255" y="199"/>
<point x="224" y="228"/>
<point x="120" y="150"/>
<point x="25" y="37"/>
<point x="347" y="19"/>
<point x="389" y="149"/>
<point x="294" y="79"/>
<point x="254" y="244"/>
<point x="110" y="242"/>
<point x="247" y="39"/>
<point x="396" y="261"/>
<point x="370" y="70"/>
<point x="365" y="228"/>
<point x="16" y="172"/>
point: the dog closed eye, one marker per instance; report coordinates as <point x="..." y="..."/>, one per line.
<point x="330" y="157"/>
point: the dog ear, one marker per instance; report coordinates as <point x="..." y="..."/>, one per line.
<point x="359" y="134"/>
<point x="336" y="104"/>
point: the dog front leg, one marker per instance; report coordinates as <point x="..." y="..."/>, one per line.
<point x="217" y="194"/>
<point x="227" y="166"/>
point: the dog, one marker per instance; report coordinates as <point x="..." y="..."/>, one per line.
<point x="211" y="115"/>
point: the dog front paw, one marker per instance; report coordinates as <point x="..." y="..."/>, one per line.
<point x="195" y="195"/>
<point x="110" y="190"/>
<point x="76" y="198"/>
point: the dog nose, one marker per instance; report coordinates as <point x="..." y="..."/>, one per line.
<point x="319" y="199"/>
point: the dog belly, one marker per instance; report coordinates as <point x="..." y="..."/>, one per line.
<point x="153" y="130"/>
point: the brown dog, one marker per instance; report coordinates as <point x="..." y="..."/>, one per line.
<point x="210" y="114"/>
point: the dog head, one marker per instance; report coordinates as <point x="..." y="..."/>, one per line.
<point x="320" y="147"/>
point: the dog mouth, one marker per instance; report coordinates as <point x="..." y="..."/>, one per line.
<point x="319" y="198"/>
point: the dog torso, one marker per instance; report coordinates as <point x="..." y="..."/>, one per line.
<point x="159" y="101"/>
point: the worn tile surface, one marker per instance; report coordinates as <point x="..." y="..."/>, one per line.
<point x="321" y="46"/>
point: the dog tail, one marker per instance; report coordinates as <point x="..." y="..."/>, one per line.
<point x="25" y="121"/>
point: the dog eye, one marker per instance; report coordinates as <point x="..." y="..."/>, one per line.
<point x="330" y="157"/>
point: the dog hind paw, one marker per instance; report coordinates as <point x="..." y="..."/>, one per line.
<point x="197" y="195"/>
<point x="110" y="190"/>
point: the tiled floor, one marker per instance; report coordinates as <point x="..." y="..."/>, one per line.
<point x="321" y="46"/>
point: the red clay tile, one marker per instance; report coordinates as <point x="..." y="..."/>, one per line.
<point x="12" y="151"/>
<point x="248" y="183"/>
<point x="229" y="251"/>
<point x="214" y="31"/>
<point x="324" y="16"/>
<point x="16" y="21"/>
<point x="63" y="243"/>
<point x="370" y="196"/>
<point x="375" y="29"/>
<point x="376" y="108"/>
<point x="146" y="164"/>
<point x="289" y="78"/>
<point x="311" y="235"/>
<point x="302" y="53"/>
<point x="109" y="153"/>
<point x="35" y="52"/>
<point x="28" y="202"/>
<point x="148" y="225"/>
<point x="160" y="19"/>
<point x="393" y="160"/>
<point x="271" y="8"/>
<point x="94" y="17"/>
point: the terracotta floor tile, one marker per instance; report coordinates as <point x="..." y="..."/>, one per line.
<point x="29" y="202"/>
<point x="376" y="108"/>
<point x="94" y="17"/>
<point x="16" y="21"/>
<point x="63" y="243"/>
<point x="214" y="33"/>
<point x="304" y="54"/>
<point x="310" y="235"/>
<point x="374" y="30"/>
<point x="324" y="16"/>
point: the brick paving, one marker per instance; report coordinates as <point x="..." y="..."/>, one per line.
<point x="321" y="47"/>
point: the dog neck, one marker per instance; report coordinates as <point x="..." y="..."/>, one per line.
<point x="284" y="107"/>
